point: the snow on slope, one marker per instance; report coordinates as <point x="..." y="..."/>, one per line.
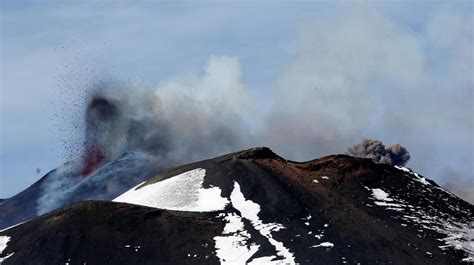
<point x="382" y="199"/>
<point x="416" y="176"/>
<point x="3" y="245"/>
<point x="249" y="210"/>
<point x="457" y="235"/>
<point x="324" y="244"/>
<point x="234" y="248"/>
<point x="183" y="192"/>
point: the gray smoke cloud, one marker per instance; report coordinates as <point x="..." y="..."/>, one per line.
<point x="393" y="155"/>
<point x="370" y="76"/>
<point x="132" y="132"/>
<point x="174" y="124"/>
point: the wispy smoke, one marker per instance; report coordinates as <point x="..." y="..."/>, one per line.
<point x="461" y="185"/>
<point x="394" y="155"/>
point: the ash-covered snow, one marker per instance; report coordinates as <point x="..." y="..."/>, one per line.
<point x="460" y="236"/>
<point x="183" y="192"/>
<point x="457" y="235"/>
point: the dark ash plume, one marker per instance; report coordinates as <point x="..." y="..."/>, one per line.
<point x="132" y="133"/>
<point x="394" y="155"/>
<point x="102" y="116"/>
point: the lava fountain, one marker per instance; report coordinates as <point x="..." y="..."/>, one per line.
<point x="104" y="133"/>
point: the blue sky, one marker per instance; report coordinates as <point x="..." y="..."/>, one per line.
<point x="415" y="60"/>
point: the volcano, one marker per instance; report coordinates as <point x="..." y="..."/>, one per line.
<point x="67" y="184"/>
<point x="103" y="171"/>
<point x="255" y="207"/>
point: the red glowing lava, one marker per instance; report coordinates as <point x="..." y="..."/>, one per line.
<point x="92" y="161"/>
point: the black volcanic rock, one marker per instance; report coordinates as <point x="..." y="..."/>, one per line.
<point x="114" y="233"/>
<point x="333" y="210"/>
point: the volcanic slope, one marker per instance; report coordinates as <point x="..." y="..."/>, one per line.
<point x="66" y="185"/>
<point x="255" y="207"/>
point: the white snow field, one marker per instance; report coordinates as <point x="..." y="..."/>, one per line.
<point x="183" y="192"/>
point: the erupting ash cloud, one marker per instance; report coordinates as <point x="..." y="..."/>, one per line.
<point x="102" y="118"/>
<point x="368" y="77"/>
<point x="176" y="123"/>
<point x="133" y="132"/>
<point x="393" y="155"/>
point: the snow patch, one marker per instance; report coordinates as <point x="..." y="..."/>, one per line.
<point x="380" y="195"/>
<point x="3" y="245"/>
<point x="382" y="199"/>
<point x="468" y="259"/>
<point x="183" y="192"/>
<point x="249" y="210"/>
<point x="6" y="257"/>
<point x="457" y="235"/>
<point x="417" y="177"/>
<point x="232" y="247"/>
<point x="324" y="244"/>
